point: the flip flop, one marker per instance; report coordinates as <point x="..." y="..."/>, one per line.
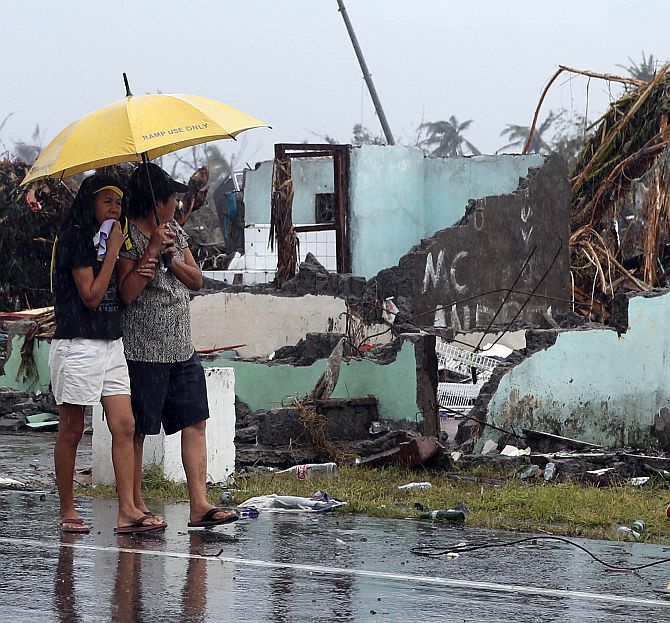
<point x="208" y="520"/>
<point x="77" y="525"/>
<point x="138" y="526"/>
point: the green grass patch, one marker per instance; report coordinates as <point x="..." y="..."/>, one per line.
<point x="575" y="510"/>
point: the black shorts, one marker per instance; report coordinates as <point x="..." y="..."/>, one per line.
<point x="171" y="394"/>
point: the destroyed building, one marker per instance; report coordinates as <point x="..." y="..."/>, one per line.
<point x="460" y="285"/>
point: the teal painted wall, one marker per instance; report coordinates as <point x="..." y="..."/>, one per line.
<point x="398" y="197"/>
<point x="386" y="205"/>
<point x="310" y="176"/>
<point x="268" y="387"/>
<point x="592" y="385"/>
<point x="41" y="357"/>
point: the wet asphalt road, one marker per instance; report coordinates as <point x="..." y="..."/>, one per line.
<point x="303" y="567"/>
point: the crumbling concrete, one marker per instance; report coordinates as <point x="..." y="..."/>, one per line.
<point x="461" y="276"/>
<point x="401" y="375"/>
<point x="591" y="384"/>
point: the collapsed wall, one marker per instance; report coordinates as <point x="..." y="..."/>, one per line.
<point x="594" y="384"/>
<point x="461" y="277"/>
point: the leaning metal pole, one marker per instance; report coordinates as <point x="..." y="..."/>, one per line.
<point x="366" y="75"/>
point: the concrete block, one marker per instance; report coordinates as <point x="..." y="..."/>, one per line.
<point x="165" y="450"/>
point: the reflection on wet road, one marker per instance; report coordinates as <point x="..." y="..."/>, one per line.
<point x="302" y="567"/>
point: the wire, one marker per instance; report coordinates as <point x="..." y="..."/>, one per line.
<point x="434" y="551"/>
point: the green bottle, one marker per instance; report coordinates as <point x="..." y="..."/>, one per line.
<point x="456" y="515"/>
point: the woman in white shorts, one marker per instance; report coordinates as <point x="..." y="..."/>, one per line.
<point x="86" y="356"/>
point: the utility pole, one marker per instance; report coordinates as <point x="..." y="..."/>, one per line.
<point x="366" y="75"/>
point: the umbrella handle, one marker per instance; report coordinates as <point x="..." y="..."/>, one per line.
<point x="167" y="260"/>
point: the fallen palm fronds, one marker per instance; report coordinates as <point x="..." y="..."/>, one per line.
<point x="620" y="198"/>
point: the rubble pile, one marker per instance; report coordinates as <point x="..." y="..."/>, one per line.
<point x="30" y="220"/>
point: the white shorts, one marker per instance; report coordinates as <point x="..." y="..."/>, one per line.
<point x="84" y="370"/>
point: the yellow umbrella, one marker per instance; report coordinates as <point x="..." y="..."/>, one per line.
<point x="138" y="128"/>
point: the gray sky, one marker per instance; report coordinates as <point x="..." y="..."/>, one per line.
<point x="290" y="62"/>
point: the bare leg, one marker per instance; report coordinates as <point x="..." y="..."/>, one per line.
<point x="194" y="459"/>
<point x="138" y="443"/>
<point x="121" y="424"/>
<point x="70" y="430"/>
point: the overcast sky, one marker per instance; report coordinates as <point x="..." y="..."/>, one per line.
<point x="290" y="62"/>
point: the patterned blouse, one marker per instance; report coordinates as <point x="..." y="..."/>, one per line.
<point x="157" y="324"/>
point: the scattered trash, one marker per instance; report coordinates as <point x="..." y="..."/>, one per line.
<point x="638" y="525"/>
<point x="311" y="470"/>
<point x="415" y="485"/>
<point x="291" y="503"/>
<point x="626" y="533"/>
<point x="667" y="510"/>
<point x="489" y="445"/>
<point x="42" y="420"/>
<point x="250" y="512"/>
<point x="226" y="497"/>
<point x="514" y="451"/>
<point x="340" y="542"/>
<point x="530" y="472"/>
<point x="662" y="473"/>
<point x="376" y="428"/>
<point x="600" y="472"/>
<point x="640" y="480"/>
<point x="452" y="555"/>
<point x="390" y="310"/>
<point x="456" y="514"/>
<point x="456" y="455"/>
<point x="10" y="482"/>
<point x="550" y="471"/>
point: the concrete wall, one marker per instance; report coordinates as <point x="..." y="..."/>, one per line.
<point x="398" y="197"/>
<point x="459" y="277"/>
<point x="395" y="384"/>
<point x="310" y="176"/>
<point x="264" y="323"/>
<point x="594" y="386"/>
<point x="39" y="383"/>
<point x="165" y="450"/>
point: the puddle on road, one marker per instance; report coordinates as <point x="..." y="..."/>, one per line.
<point x="278" y="570"/>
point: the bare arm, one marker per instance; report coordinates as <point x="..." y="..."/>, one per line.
<point x="187" y="271"/>
<point x="134" y="277"/>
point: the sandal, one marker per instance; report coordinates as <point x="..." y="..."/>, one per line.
<point x="74" y="525"/>
<point x="140" y="525"/>
<point x="208" y="520"/>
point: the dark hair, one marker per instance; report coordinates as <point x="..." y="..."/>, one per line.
<point x="82" y="214"/>
<point x="147" y="184"/>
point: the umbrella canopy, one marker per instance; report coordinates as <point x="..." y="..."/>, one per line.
<point x="138" y="128"/>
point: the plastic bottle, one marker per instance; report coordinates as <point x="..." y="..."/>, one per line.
<point x="250" y="513"/>
<point x="311" y="470"/>
<point x="638" y="526"/>
<point x="550" y="471"/>
<point x="624" y="532"/>
<point x="415" y="485"/>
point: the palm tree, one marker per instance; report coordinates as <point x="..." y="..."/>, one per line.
<point x="364" y="136"/>
<point x="646" y="70"/>
<point x="28" y="152"/>
<point x="445" y="138"/>
<point x="517" y="135"/>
